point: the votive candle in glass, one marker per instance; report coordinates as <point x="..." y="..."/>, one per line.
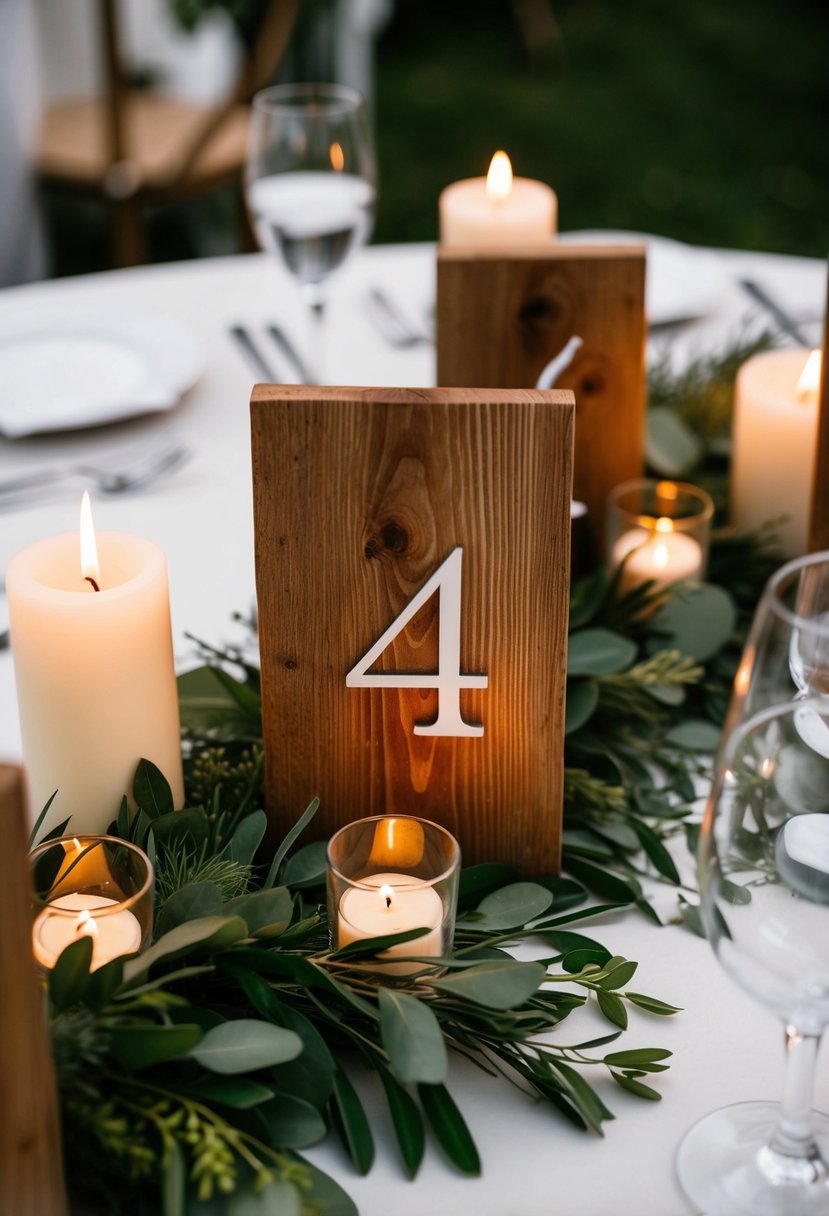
<point x="658" y="532"/>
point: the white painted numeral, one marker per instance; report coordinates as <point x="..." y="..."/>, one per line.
<point x="448" y="680"/>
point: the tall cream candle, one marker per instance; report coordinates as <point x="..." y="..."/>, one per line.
<point x="774" y="444"/>
<point x="498" y="210"/>
<point x="95" y="678"/>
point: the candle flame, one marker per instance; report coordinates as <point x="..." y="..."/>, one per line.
<point x="660" y="555"/>
<point x="337" y="157"/>
<point x="85" y="926"/>
<point x="499" y="178"/>
<point x="663" y="524"/>
<point x="89" y="550"/>
<point x="767" y="767"/>
<point x="387" y="893"/>
<point x="809" y="382"/>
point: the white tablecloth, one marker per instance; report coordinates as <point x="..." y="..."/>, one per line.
<point x="727" y="1049"/>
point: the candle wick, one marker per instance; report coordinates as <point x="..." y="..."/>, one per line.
<point x="90" y="579"/>
<point x="388" y="901"/>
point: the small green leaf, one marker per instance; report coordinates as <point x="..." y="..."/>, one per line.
<point x="733" y="893"/>
<point x="239" y="1093"/>
<point x="671" y="447"/>
<point x="617" y="976"/>
<point x="406" y="1119"/>
<point x="267" y="909"/>
<point x="697" y="620"/>
<point x="449" y="1128"/>
<point x="649" y="1003"/>
<point x="695" y="735"/>
<point x="692" y="917"/>
<point x="478" y="881"/>
<point x="655" y="850"/>
<point x="605" y="884"/>
<point x="141" y="1046"/>
<point x="497" y="985"/>
<point x="292" y="1122"/>
<point x="206" y="933"/>
<point x="351" y="1122"/>
<point x="189" y="826"/>
<point x="307" y="867"/>
<point x="283" y="849"/>
<point x="637" y="1057"/>
<point x="636" y="1087"/>
<point x="195" y="900"/>
<point x="612" y="1008"/>
<point x="412" y="1037"/>
<point x="151" y="790"/>
<point x="582" y="699"/>
<point x="598" y="652"/>
<point x="70" y="975"/>
<point x="246" y="839"/>
<point x="510" y="907"/>
<point x="103" y="983"/>
<point x="245" y="1045"/>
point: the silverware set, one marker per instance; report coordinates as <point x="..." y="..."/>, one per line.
<point x="128" y="473"/>
<point x="261" y="361"/>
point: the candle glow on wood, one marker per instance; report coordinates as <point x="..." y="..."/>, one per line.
<point x="774" y="444"/>
<point x="498" y="210"/>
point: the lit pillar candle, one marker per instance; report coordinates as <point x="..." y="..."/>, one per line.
<point x="383" y="904"/>
<point x="774" y="443"/>
<point x="65" y="920"/>
<point x="498" y="210"/>
<point x="94" y="668"/>
<point x="663" y="556"/>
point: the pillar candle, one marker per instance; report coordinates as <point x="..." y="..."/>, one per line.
<point x="95" y="678"/>
<point x="498" y="210"/>
<point x="774" y="444"/>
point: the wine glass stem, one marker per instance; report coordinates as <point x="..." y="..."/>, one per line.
<point x="316" y="311"/>
<point x="792" y="1156"/>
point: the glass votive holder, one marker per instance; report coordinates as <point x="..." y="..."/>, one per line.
<point x="389" y="874"/>
<point x="658" y="532"/>
<point x="90" y="886"/>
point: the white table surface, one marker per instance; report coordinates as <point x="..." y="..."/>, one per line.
<point x="726" y="1048"/>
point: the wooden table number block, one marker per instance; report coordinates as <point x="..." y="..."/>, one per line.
<point x="503" y="315"/>
<point x="412" y="552"/>
<point x="31" y="1178"/>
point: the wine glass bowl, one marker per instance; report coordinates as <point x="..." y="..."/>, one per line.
<point x="310" y="182"/>
<point x="764" y="895"/>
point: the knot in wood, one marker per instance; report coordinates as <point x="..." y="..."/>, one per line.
<point x="538" y="309"/>
<point x="394" y="536"/>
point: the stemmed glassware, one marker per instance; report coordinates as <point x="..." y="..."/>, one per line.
<point x="764" y="885"/>
<point x="311" y="184"/>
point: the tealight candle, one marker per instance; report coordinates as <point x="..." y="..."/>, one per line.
<point x="658" y="532"/>
<point x="663" y="556"/>
<point x="774" y="443"/>
<point x="498" y="210"/>
<point x="93" y="661"/>
<point x="390" y="874"/>
<point x="98" y="887"/>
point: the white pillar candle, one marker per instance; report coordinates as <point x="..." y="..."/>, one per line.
<point x="498" y="210"/>
<point x="66" y="919"/>
<point x="383" y="904"/>
<point x="95" y="678"/>
<point x="774" y="443"/>
<point x="663" y="556"/>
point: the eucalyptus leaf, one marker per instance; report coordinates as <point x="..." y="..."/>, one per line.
<point x="509" y="907"/>
<point x="245" y="1045"/>
<point x="694" y="735"/>
<point x="188" y="826"/>
<point x="208" y="932"/>
<point x="326" y="1196"/>
<point x="582" y="700"/>
<point x="69" y="976"/>
<point x="568" y="943"/>
<point x="151" y="790"/>
<point x="246" y="839"/>
<point x="598" y="652"/>
<point x="697" y="620"/>
<point x="351" y="1122"/>
<point x="141" y="1046"/>
<point x="307" y="867"/>
<point x="496" y="985"/>
<point x="636" y="1087"/>
<point x="651" y="1005"/>
<point x="267" y="909"/>
<point x="612" y="1008"/>
<point x="449" y="1128"/>
<point x="412" y="1037"/>
<point x="480" y="880"/>
<point x="283" y="849"/>
<point x="239" y="1093"/>
<point x="197" y="899"/>
<point x="605" y="884"/>
<point x="671" y="447"/>
<point x="206" y="704"/>
<point x="292" y="1122"/>
<point x="406" y="1120"/>
<point x="278" y="1198"/>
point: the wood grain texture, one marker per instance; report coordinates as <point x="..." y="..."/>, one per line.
<point x="359" y="495"/>
<point x="501" y="317"/>
<point x="31" y="1182"/>
<point x="819" y="521"/>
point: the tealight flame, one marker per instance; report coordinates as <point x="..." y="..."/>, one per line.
<point x="337" y="157"/>
<point x="499" y="178"/>
<point x="89" y="550"/>
<point x="660" y="555"/>
<point x="387" y="893"/>
<point x="663" y="524"/>
<point x="809" y="382"/>
<point x="85" y="926"/>
<point x="767" y="767"/>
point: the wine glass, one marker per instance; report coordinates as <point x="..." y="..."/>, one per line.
<point x="310" y="182"/>
<point x="764" y="888"/>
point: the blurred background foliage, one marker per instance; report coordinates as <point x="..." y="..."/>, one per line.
<point x="703" y="120"/>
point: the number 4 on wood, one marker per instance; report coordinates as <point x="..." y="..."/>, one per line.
<point x="448" y="679"/>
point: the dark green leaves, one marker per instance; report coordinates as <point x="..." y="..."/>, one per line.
<point x="68" y="977"/>
<point x="449" y="1128"/>
<point x="697" y="620"/>
<point x="351" y="1122"/>
<point x="598" y="652"/>
<point x="508" y="908"/>
<point x="498" y="985"/>
<point x="151" y="790"/>
<point x="137" y="1047"/>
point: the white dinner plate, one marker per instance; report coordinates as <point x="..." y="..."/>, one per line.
<point x="682" y="281"/>
<point x="62" y="368"/>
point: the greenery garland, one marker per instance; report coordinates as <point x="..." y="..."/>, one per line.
<point x="198" y="1070"/>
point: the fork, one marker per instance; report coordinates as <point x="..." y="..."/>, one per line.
<point x="397" y="329"/>
<point x="137" y="475"/>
